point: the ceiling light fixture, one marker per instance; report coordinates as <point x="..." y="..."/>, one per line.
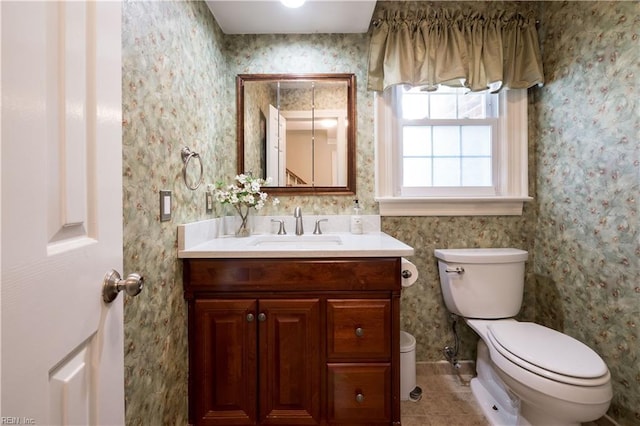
<point x="292" y="3"/>
<point x="328" y="123"/>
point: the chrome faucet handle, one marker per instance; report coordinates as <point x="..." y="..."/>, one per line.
<point x="317" y="230"/>
<point x="281" y="230"/>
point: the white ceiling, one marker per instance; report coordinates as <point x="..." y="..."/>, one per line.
<point x="271" y="17"/>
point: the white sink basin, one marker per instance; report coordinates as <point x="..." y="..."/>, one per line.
<point x="296" y="241"/>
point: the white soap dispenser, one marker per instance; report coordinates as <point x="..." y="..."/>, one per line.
<point x="356" y="219"/>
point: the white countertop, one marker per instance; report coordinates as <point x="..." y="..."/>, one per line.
<point x="201" y="240"/>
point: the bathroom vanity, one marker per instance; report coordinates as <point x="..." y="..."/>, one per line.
<point x="287" y="331"/>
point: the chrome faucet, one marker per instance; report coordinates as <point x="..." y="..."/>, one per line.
<point x="298" y="215"/>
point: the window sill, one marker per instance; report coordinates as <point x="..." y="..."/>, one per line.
<point x="450" y="206"/>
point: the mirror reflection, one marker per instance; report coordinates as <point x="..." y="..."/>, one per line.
<point x="299" y="131"/>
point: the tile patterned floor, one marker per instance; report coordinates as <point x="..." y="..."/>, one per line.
<point x="447" y="399"/>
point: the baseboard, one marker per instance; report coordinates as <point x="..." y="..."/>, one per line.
<point x="606" y="421"/>
<point x="434" y="368"/>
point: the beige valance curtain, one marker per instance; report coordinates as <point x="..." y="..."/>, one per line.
<point x="429" y="47"/>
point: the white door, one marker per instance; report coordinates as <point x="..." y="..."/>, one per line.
<point x="282" y="150"/>
<point x="62" y="346"/>
<point x="276" y="147"/>
<point x="273" y="152"/>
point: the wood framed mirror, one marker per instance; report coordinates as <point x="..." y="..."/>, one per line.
<point x="299" y="130"/>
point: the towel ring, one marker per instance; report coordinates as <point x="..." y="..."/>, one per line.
<point x="187" y="155"/>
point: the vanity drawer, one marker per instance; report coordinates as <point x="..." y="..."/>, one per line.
<point x="358" y="329"/>
<point x="233" y="275"/>
<point x="359" y="393"/>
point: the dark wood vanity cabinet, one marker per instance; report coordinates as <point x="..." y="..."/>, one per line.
<point x="293" y="341"/>
<point x="245" y="349"/>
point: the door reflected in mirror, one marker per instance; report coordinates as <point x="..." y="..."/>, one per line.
<point x="299" y="130"/>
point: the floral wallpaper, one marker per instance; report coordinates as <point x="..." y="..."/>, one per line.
<point x="330" y="96"/>
<point x="581" y="230"/>
<point x="257" y="98"/>
<point x="587" y="241"/>
<point x="176" y="92"/>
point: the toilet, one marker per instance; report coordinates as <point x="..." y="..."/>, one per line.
<point x="527" y="374"/>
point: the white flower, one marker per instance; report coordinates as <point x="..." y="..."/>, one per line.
<point x="246" y="191"/>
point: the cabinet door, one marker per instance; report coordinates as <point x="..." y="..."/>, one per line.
<point x="224" y="362"/>
<point x="289" y="345"/>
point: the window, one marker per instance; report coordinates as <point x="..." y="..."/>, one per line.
<point x="446" y="141"/>
<point x="451" y="152"/>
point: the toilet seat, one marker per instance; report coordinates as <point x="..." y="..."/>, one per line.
<point x="548" y="353"/>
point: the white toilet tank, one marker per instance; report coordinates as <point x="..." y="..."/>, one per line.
<point x="485" y="283"/>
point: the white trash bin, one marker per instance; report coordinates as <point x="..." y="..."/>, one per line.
<point x="407" y="364"/>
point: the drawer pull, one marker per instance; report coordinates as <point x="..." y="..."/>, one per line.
<point x="250" y="317"/>
<point x="262" y="317"/>
<point x="359" y="332"/>
<point x="359" y="398"/>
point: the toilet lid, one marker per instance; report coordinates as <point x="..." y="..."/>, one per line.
<point x="547" y="349"/>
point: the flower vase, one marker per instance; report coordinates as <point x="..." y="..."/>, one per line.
<point x="243" y="224"/>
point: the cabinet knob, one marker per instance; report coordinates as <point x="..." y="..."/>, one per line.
<point x="359" y="398"/>
<point x="262" y="317"/>
<point x="359" y="332"/>
<point x="250" y="317"/>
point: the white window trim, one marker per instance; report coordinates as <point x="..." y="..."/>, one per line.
<point x="513" y="177"/>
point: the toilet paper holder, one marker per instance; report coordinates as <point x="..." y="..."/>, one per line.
<point x="408" y="273"/>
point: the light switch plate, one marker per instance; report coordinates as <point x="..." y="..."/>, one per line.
<point x="208" y="202"/>
<point x="165" y="206"/>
